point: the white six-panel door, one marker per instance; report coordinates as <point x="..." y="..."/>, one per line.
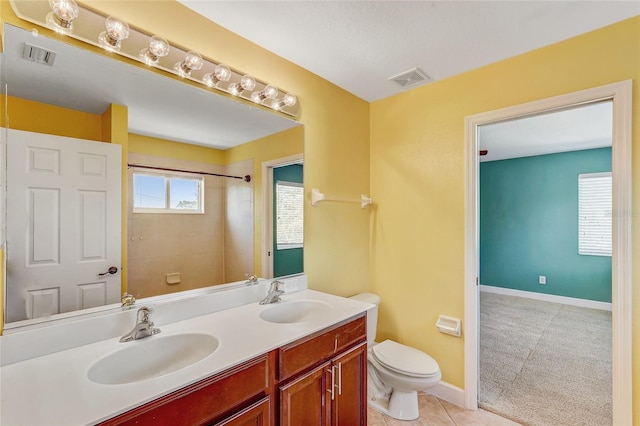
<point x="63" y="224"/>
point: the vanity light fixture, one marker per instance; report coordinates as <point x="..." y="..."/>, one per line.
<point x="62" y="14"/>
<point x="158" y="48"/>
<point x="117" y="30"/>
<point x="269" y="92"/>
<point x="288" y="100"/>
<point x="220" y="73"/>
<point x="83" y="23"/>
<point x="246" y="83"/>
<point x="192" y="62"/>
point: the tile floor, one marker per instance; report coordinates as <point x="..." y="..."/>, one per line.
<point x="436" y="412"/>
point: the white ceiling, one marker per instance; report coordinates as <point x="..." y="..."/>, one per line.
<point x="585" y="127"/>
<point x="359" y="45"/>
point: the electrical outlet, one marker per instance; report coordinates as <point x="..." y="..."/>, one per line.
<point x="542" y="279"/>
<point x="290" y="285"/>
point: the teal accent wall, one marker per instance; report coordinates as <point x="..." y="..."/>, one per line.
<point x="529" y="225"/>
<point x="289" y="261"/>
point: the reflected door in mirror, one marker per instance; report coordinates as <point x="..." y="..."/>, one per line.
<point x="64" y="211"/>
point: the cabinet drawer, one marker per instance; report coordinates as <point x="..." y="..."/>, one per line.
<point x="208" y="399"/>
<point x="321" y="346"/>
<point x="258" y="414"/>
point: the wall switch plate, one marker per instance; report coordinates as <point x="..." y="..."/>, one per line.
<point x="542" y="279"/>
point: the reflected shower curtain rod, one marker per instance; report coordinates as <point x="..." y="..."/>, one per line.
<point x="246" y="178"/>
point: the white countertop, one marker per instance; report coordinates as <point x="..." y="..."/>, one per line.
<point x="54" y="389"/>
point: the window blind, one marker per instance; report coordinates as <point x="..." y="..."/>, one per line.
<point x="594" y="214"/>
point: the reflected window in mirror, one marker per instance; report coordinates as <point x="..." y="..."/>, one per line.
<point x="289" y="215"/>
<point x="167" y="193"/>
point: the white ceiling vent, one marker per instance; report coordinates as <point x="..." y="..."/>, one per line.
<point x="38" y="54"/>
<point x="411" y="78"/>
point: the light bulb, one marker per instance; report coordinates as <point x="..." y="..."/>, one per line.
<point x="158" y="48"/>
<point x="269" y="92"/>
<point x="191" y="62"/>
<point x="62" y="14"/>
<point x="288" y="100"/>
<point x="117" y="30"/>
<point x="220" y="73"/>
<point x="255" y="97"/>
<point x="247" y="82"/>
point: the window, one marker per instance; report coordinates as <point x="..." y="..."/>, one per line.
<point x="167" y="193"/>
<point x="594" y="214"/>
<point x="289" y="215"/>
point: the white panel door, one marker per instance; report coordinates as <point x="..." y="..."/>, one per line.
<point x="63" y="224"/>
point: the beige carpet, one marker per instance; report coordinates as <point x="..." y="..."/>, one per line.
<point x="544" y="364"/>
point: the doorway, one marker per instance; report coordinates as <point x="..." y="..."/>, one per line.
<point x="284" y="256"/>
<point x="620" y="95"/>
<point x="545" y="266"/>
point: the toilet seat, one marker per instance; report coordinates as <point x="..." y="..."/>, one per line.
<point x="404" y="359"/>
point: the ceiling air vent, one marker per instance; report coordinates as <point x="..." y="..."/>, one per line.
<point x="38" y="54"/>
<point x="411" y="78"/>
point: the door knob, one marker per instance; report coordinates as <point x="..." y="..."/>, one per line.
<point x="112" y="270"/>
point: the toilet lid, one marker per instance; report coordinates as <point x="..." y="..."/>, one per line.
<point x="404" y="359"/>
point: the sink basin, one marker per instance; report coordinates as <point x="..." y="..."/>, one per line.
<point x="152" y="357"/>
<point x="295" y="311"/>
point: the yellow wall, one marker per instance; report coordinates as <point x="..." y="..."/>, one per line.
<point x="278" y="145"/>
<point x="417" y="177"/>
<point x="42" y="118"/>
<point x="164" y="148"/>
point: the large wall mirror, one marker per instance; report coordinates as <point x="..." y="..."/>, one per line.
<point x="191" y="166"/>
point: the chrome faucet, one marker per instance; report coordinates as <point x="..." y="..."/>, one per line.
<point x="144" y="326"/>
<point x="127" y="300"/>
<point x="274" y="293"/>
<point x="251" y="279"/>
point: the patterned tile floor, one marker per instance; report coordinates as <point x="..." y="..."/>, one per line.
<point x="436" y="412"/>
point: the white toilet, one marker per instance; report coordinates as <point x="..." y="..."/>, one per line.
<point x="396" y="372"/>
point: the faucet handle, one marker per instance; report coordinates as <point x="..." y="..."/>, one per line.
<point x="143" y="313"/>
<point x="277" y="285"/>
<point x="251" y="279"/>
<point x="127" y="300"/>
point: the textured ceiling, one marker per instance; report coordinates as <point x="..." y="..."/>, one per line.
<point x="359" y="45"/>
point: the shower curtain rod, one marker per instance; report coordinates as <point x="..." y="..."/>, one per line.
<point x="246" y="178"/>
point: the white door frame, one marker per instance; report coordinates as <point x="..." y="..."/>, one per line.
<point x="267" y="208"/>
<point x="620" y="94"/>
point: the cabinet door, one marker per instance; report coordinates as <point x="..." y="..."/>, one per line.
<point x="349" y="406"/>
<point x="304" y="401"/>
<point x="256" y="415"/>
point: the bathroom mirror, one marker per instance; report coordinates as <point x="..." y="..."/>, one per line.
<point x="170" y="124"/>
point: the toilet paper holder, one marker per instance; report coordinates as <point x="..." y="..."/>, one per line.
<point x="449" y="325"/>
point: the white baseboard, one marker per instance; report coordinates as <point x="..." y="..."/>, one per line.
<point x="584" y="303"/>
<point x="447" y="392"/>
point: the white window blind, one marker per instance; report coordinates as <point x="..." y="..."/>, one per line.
<point x="594" y="214"/>
<point x="289" y="215"/>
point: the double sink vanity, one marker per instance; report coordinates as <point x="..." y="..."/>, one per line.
<point x="220" y="357"/>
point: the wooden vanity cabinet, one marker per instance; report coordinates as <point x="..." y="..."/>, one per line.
<point x="317" y="380"/>
<point x="323" y="378"/>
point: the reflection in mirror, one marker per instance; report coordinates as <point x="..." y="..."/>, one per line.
<point x="156" y="121"/>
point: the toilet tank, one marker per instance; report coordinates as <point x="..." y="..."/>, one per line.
<point x="372" y="314"/>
